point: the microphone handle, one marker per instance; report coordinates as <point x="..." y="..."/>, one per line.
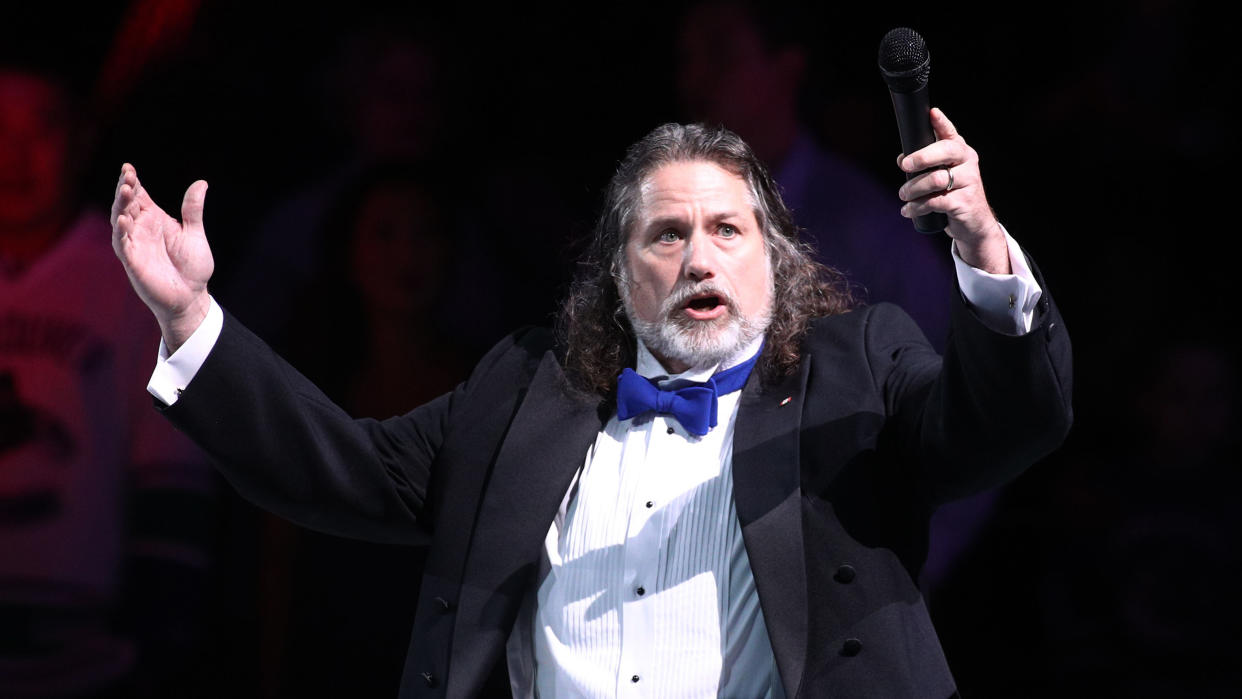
<point x="914" y="126"/>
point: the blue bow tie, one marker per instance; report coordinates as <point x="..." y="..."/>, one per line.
<point x="694" y="406"/>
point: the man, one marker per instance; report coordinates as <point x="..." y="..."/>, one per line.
<point x="598" y="536"/>
<point x="105" y="512"/>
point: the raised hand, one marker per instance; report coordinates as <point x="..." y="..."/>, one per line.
<point x="952" y="186"/>
<point x="168" y="263"/>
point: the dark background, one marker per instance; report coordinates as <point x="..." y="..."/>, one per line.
<point x="1109" y="569"/>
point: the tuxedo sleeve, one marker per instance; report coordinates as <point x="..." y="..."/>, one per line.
<point x="286" y="447"/>
<point x="994" y="404"/>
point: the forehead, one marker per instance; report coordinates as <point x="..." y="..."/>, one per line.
<point x="694" y="187"/>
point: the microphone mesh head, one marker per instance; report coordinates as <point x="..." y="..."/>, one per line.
<point x="904" y="60"/>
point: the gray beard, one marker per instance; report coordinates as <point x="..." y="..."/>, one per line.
<point x="696" y="343"/>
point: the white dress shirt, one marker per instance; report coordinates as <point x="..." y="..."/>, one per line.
<point x="646" y="589"/>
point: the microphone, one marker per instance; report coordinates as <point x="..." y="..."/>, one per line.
<point x="904" y="64"/>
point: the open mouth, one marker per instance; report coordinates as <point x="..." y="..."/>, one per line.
<point x="705" y="306"/>
<point x="703" y="303"/>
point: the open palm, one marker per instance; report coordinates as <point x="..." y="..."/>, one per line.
<point x="168" y="262"/>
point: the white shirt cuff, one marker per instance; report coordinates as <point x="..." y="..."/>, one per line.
<point x="1004" y="302"/>
<point x="174" y="372"/>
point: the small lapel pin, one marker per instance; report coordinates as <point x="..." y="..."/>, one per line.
<point x="786" y="400"/>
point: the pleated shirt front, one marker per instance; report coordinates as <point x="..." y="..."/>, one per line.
<point x="648" y="590"/>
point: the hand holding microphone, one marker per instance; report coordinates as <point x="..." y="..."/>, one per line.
<point x="943" y="189"/>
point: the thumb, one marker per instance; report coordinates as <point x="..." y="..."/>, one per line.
<point x="192" y="205"/>
<point x="944" y="128"/>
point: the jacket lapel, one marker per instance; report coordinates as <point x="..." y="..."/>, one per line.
<point x="546" y="443"/>
<point x="766" y="489"/>
<point x="544" y="447"/>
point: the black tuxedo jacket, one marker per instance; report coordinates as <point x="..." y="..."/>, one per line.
<point x="837" y="469"/>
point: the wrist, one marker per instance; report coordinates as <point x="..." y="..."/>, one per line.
<point x="176" y="328"/>
<point x="988" y="252"/>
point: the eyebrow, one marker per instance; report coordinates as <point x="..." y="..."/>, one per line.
<point x="661" y="221"/>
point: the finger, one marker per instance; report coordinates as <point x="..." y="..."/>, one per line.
<point x="941" y="152"/>
<point x="127" y="201"/>
<point x="143" y="198"/>
<point x="192" y="205"/>
<point x="129" y="176"/>
<point x="122" y="231"/>
<point x="122" y="238"/>
<point x="118" y="204"/>
<point x="953" y="204"/>
<point x="941" y="125"/>
<point x="935" y="204"/>
<point x="934" y="182"/>
<point x="124" y="202"/>
<point x="899" y="158"/>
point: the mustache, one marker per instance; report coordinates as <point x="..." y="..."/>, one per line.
<point x="682" y="295"/>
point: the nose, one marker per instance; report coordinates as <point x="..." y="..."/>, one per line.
<point x="699" y="262"/>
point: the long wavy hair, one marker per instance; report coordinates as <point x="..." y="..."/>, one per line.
<point x="593" y="330"/>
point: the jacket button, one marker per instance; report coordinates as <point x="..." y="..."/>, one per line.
<point x="851" y="647"/>
<point x="442" y="605"/>
<point x="429" y="679"/>
<point x="845" y="574"/>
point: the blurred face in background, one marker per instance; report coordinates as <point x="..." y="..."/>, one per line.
<point x="725" y="73"/>
<point x="35" y="142"/>
<point x="397" y="252"/>
<point x="396" y="103"/>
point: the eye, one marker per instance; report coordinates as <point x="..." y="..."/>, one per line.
<point x="727" y="230"/>
<point x="668" y="235"/>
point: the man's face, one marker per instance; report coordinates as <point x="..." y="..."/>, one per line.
<point x="697" y="283"/>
